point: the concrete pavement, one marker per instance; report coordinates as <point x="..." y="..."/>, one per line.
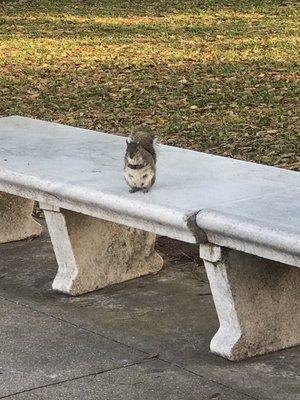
<point x="144" y="339"/>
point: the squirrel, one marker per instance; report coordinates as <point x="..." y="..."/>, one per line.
<point x="140" y="162"/>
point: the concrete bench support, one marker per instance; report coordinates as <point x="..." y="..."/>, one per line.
<point x="256" y="301"/>
<point x="93" y="253"/>
<point x="16" y="222"/>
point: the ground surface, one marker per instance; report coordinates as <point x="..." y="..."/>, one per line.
<point x="144" y="339"/>
<point x="213" y="75"/>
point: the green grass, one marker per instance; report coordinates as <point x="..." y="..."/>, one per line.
<point x="216" y="76"/>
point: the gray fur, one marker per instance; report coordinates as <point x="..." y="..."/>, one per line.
<point x="140" y="163"/>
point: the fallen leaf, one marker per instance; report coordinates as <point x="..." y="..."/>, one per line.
<point x="153" y="355"/>
<point x="183" y="81"/>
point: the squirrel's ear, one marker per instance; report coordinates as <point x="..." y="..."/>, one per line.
<point x="152" y="137"/>
<point x="129" y="139"/>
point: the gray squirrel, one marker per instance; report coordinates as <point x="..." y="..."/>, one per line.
<point x="140" y="162"/>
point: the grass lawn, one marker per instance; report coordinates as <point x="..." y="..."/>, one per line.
<point x="213" y="75"/>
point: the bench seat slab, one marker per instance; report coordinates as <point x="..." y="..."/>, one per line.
<point x="16" y="222"/>
<point x="256" y="301"/>
<point x="93" y="253"/>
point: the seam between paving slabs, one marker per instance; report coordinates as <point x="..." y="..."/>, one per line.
<point x="73" y="379"/>
<point x="120" y="367"/>
<point x="94" y="374"/>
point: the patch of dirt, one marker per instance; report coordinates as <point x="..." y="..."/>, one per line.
<point x="181" y="255"/>
<point x="178" y="252"/>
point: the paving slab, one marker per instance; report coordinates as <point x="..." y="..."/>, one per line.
<point x="38" y="350"/>
<point x="170" y="314"/>
<point x="148" y="381"/>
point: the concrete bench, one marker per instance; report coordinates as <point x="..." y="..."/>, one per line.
<point x="244" y="216"/>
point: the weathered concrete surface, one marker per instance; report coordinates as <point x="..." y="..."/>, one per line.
<point x="152" y="380"/>
<point x="16" y="222"/>
<point x="170" y="314"/>
<point x="94" y="253"/>
<point x="37" y="349"/>
<point x="81" y="170"/>
<point x="257" y="302"/>
<point x="268" y="227"/>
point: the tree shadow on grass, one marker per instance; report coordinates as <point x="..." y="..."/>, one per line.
<point x="210" y="100"/>
<point x="207" y="25"/>
<point x="70" y="18"/>
<point x="117" y="8"/>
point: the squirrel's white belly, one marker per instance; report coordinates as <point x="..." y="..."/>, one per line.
<point x="139" y="178"/>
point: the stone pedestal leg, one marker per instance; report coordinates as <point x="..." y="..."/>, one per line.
<point x="93" y="253"/>
<point x="16" y="222"/>
<point x="257" y="303"/>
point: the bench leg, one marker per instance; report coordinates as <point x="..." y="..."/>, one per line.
<point x="16" y="222"/>
<point x="93" y="253"/>
<point x="256" y="301"/>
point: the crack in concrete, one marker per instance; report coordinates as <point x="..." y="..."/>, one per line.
<point x="116" y="368"/>
<point x="217" y="383"/>
<point x="73" y="324"/>
<point x="72" y="379"/>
